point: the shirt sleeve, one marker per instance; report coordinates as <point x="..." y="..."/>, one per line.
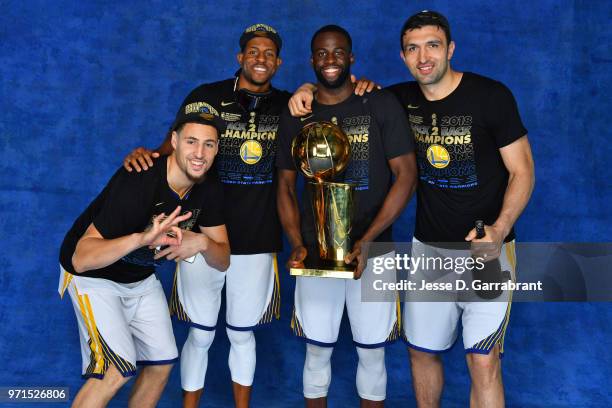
<point x="286" y="133"/>
<point x="212" y="212"/>
<point x="395" y="90"/>
<point x="396" y="133"/>
<point x="502" y="116"/>
<point x="124" y="210"/>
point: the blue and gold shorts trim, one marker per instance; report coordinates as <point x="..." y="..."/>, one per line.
<point x="273" y="310"/>
<point x="497" y="338"/>
<point x="175" y="307"/>
<point x="101" y="355"/>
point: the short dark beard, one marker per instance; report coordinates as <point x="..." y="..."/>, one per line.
<point x="346" y="72"/>
<point x="436" y="79"/>
<point x="196" y="180"/>
<point x="250" y="79"/>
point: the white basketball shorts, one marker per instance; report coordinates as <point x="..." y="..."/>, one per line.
<point x="319" y="306"/>
<point x="433" y="326"/>
<point x="124" y="324"/>
<point x="252" y="292"/>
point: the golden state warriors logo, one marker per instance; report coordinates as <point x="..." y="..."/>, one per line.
<point x="438" y="156"/>
<point x="251" y="151"/>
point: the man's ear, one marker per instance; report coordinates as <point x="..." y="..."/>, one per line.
<point x="174" y="140"/>
<point x="451" y="50"/>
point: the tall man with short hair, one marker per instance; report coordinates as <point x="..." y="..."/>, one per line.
<point x="108" y="266"/>
<point x="474" y="163"/>
<point x="382" y="149"/>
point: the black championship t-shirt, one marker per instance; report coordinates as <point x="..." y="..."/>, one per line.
<point x="245" y="163"/>
<point x="128" y="204"/>
<point x="462" y="177"/>
<point x="378" y="131"/>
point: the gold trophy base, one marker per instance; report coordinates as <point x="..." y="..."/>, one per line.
<point x="325" y="269"/>
<point x="322" y="273"/>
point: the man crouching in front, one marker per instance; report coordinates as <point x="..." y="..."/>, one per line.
<point x="108" y="261"/>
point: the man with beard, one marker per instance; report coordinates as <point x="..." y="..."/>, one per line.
<point x="108" y="263"/>
<point x="474" y="163"/>
<point x="381" y="148"/>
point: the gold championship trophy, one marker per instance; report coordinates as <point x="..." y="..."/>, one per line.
<point x="321" y="151"/>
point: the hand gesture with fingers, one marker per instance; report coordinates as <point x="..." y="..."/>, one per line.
<point x="164" y="230"/>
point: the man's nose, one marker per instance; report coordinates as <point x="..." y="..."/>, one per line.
<point x="422" y="54"/>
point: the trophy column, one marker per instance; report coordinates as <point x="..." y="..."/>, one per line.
<point x="321" y="151"/>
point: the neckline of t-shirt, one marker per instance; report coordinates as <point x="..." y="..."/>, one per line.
<point x="164" y="176"/>
<point x="465" y="77"/>
<point x="321" y="106"/>
<point x="273" y="91"/>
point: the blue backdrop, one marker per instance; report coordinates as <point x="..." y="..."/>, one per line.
<point x="83" y="84"/>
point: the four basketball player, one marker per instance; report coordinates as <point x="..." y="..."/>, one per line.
<point x="492" y="182"/>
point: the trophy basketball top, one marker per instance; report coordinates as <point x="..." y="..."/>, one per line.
<point x="321" y="151"/>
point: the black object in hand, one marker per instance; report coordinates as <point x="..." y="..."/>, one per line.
<point x="490" y="273"/>
<point x="480" y="229"/>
